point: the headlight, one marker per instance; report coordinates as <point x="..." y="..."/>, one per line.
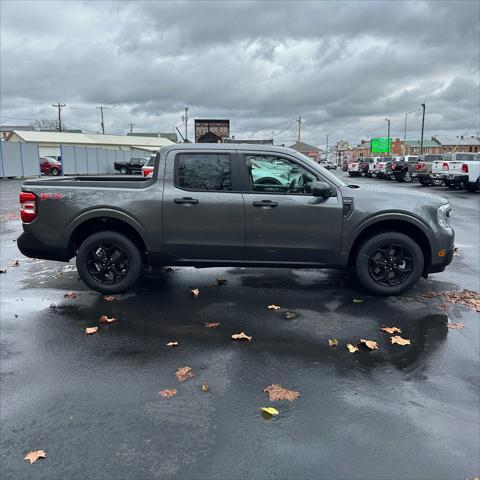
<point x="443" y="215"/>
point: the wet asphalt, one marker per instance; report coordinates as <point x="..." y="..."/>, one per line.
<point x="92" y="402"/>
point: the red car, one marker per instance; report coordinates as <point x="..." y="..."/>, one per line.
<point x="50" y="166"/>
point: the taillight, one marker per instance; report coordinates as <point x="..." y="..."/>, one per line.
<point x="420" y="166"/>
<point x="445" y="166"/>
<point x="28" y="206"/>
<point x="464" y="168"/>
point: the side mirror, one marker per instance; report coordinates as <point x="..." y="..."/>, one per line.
<point x="321" y="189"/>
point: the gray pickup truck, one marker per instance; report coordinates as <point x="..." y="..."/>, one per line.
<point x="209" y="205"/>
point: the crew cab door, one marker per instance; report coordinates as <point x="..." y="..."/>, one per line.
<point x="284" y="222"/>
<point x="203" y="217"/>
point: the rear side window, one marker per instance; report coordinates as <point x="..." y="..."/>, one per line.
<point x="203" y="171"/>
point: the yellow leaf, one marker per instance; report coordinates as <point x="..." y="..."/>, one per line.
<point x="332" y="342"/>
<point x="399" y="340"/>
<point x="369" y="344"/>
<point x="269" y="411"/>
<point x="241" y="336"/>
<point x="172" y="344"/>
<point x="274" y="307"/>
<point x="391" y="329"/>
<point x="352" y="348"/>
<point x="205" y="387"/>
<point x="455" y="326"/>
<point x="90" y="330"/>
<point x="32" y="457"/>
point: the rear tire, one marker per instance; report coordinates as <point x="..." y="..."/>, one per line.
<point x="54" y="171"/>
<point x="470" y="186"/>
<point x="425" y="181"/>
<point x="123" y="171"/>
<point x="389" y="263"/>
<point x="109" y="262"/>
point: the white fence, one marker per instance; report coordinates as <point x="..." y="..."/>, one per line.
<point x="23" y="160"/>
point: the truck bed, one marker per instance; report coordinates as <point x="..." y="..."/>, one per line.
<point x="102" y="181"/>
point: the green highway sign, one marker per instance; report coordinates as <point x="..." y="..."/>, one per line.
<point x="381" y="145"/>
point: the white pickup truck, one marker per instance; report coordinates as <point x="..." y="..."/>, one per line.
<point x="465" y="171"/>
<point x="441" y="168"/>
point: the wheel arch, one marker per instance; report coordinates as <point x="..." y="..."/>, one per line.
<point x="82" y="229"/>
<point x="409" y="228"/>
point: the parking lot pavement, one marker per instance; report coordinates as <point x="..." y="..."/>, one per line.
<point x="92" y="402"/>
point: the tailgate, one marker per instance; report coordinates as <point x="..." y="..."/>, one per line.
<point x="455" y="167"/>
<point x="440" y="167"/>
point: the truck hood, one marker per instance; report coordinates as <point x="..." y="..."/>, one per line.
<point x="401" y="198"/>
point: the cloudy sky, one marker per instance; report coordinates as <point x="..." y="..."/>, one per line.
<point x="343" y="66"/>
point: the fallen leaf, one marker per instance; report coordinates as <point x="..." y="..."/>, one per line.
<point x="369" y="344"/>
<point x="332" y="342"/>
<point x="241" y="336"/>
<point x="172" y="344"/>
<point x="90" y="330"/>
<point x="399" y="340"/>
<point x="277" y="392"/>
<point x="168" y="393"/>
<point x="269" y="412"/>
<point x="290" y="315"/>
<point x="3" y="270"/>
<point x="358" y="300"/>
<point x="183" y="373"/>
<point x="212" y="324"/>
<point x="221" y="281"/>
<point x="105" y="319"/>
<point x="467" y="298"/>
<point x="34" y="456"/>
<point x="109" y="298"/>
<point x="71" y="295"/>
<point x="391" y="329"/>
<point x="195" y="292"/>
<point x="205" y="387"/>
<point x="15" y="263"/>
<point x="274" y="307"/>
<point x="352" y="348"/>
<point x="455" y="326"/>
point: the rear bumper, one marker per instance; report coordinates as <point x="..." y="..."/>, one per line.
<point x="456" y="178"/>
<point x="32" y="247"/>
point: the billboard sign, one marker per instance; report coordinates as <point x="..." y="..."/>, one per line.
<point x="381" y="145"/>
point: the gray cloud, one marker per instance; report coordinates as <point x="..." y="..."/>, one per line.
<point x="344" y="66"/>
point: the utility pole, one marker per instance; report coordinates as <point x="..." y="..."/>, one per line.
<point x="102" y="123"/>
<point x="185" y="121"/>
<point x="131" y="127"/>
<point x="388" y="134"/>
<point x="59" y="106"/>
<point x="299" y="121"/>
<point x="423" y="128"/>
<point x="326" y="148"/>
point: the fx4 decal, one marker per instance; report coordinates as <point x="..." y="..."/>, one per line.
<point x="55" y="196"/>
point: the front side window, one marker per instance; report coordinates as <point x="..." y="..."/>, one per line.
<point x="204" y="171"/>
<point x="278" y="175"/>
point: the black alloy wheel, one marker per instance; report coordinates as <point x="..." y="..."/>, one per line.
<point x="107" y="262"/>
<point x="390" y="264"/>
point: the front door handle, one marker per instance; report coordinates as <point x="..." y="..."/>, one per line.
<point x="186" y="201"/>
<point x="265" y="203"/>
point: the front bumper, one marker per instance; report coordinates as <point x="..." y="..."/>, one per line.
<point x="442" y="250"/>
<point x="32" y="247"/>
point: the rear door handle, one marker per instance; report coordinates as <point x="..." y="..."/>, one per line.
<point x="265" y="203"/>
<point x="186" y="201"/>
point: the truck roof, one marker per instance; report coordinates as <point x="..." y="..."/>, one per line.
<point x="227" y="146"/>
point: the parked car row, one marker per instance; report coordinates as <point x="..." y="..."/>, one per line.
<point x="455" y="170"/>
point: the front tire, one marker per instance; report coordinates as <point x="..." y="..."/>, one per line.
<point x="123" y="171"/>
<point x="389" y="263"/>
<point x="109" y="262"/>
<point x="54" y="171"/>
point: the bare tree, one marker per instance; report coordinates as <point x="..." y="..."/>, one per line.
<point x="45" y="124"/>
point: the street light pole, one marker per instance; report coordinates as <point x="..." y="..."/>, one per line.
<point x="423" y="128"/>
<point x="388" y="134"/>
